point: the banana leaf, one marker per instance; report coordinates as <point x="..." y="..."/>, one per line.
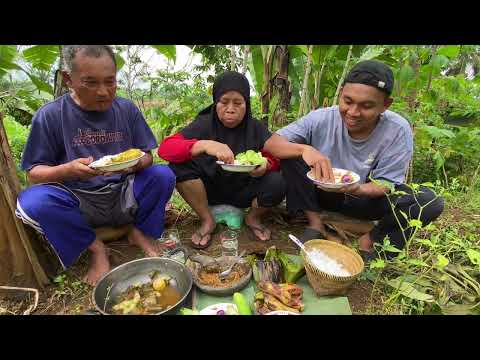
<point x="407" y="289"/>
<point x="459" y="309"/>
<point x="292" y="271"/>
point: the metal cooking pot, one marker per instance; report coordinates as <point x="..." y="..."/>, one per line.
<point x="118" y="280"/>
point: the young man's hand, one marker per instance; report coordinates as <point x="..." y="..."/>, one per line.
<point x="320" y="164"/>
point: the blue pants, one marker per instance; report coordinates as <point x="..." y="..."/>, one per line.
<point x="55" y="212"/>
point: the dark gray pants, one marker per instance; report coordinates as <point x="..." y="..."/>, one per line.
<point x="268" y="189"/>
<point x="303" y="195"/>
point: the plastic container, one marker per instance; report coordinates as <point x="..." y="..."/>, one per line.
<point x="228" y="215"/>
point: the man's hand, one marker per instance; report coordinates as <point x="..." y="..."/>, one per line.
<point x="221" y="151"/>
<point x="78" y="169"/>
<point x="259" y="171"/>
<point x="322" y="168"/>
<point x="144" y="162"/>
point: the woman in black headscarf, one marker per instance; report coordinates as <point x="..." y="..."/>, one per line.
<point x="219" y="132"/>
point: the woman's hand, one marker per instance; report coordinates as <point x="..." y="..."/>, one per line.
<point x="259" y="171"/>
<point x="221" y="151"/>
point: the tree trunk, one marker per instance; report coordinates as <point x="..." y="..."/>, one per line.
<point x="303" y="97"/>
<point x="412" y="100"/>
<point x="246" y="51"/>
<point x="267" y="84"/>
<point x="60" y="88"/>
<point x="434" y="52"/>
<point x="282" y="85"/>
<point x="19" y="265"/>
<point x="318" y="80"/>
<point x="343" y="75"/>
<point x="233" y="59"/>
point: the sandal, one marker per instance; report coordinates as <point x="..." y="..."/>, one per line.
<point x="260" y="228"/>
<point x="368" y="256"/>
<point x="198" y="246"/>
<point x="310" y="234"/>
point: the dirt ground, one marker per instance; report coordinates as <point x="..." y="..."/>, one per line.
<point x="68" y="295"/>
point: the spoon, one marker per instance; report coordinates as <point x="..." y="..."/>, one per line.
<point x="227" y="272"/>
<point x="299" y="243"/>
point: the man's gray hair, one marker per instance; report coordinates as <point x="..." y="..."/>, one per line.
<point x="70" y="51"/>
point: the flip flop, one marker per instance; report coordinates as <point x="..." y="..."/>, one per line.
<point x="368" y="256"/>
<point x="310" y="234"/>
<point x="198" y="246"/>
<point x="260" y="228"/>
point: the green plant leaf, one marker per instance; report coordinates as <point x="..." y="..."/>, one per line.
<point x="40" y="84"/>
<point x="41" y="56"/>
<point x="438" y="62"/>
<point x="458" y="309"/>
<point x="391" y="248"/>
<point x="406" y="74"/>
<point x="294" y="51"/>
<point x="170" y="51"/>
<point x="372" y="52"/>
<point x="426" y="242"/>
<point x="304" y="49"/>
<point x="407" y="289"/>
<point x="7" y="57"/>
<point x="450" y="51"/>
<point x="427" y="184"/>
<point x="438" y="133"/>
<point x="377" y="264"/>
<point x="417" y="262"/>
<point x="415" y="223"/>
<point x="119" y="60"/>
<point x="256" y="68"/>
<point x="442" y="261"/>
<point x="439" y="160"/>
<point x="474" y="256"/>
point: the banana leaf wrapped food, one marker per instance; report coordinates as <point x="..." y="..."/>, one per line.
<point x="276" y="266"/>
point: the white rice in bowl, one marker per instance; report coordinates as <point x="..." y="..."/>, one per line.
<point x="326" y="264"/>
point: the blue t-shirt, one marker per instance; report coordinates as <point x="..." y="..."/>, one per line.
<point x="383" y="155"/>
<point x="61" y="131"/>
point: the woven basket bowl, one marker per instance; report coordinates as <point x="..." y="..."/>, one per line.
<point x="326" y="284"/>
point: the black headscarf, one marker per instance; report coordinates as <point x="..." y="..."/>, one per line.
<point x="250" y="134"/>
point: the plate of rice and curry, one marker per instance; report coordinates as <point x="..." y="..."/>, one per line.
<point x="117" y="162"/>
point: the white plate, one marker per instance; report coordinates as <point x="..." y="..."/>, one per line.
<point x="235" y="167"/>
<point x="281" y="312"/>
<point x="337" y="185"/>
<point x="99" y="164"/>
<point x="213" y="309"/>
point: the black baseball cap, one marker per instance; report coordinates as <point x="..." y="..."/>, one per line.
<point x="373" y="73"/>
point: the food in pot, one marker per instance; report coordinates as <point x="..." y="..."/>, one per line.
<point x="155" y="296"/>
